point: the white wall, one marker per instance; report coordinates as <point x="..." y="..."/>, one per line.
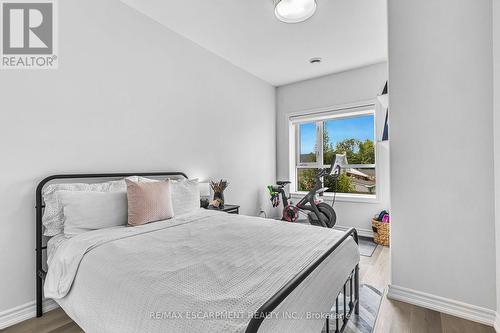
<point x="358" y="85"/>
<point x="496" y="112"/>
<point x="440" y="74"/>
<point x="129" y="95"/>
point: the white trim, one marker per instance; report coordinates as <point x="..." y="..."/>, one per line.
<point x="361" y="232"/>
<point x="441" y="304"/>
<point x="350" y="112"/>
<point x="308" y="165"/>
<point x="497" y="322"/>
<point x="23" y="312"/>
<point x="293" y="138"/>
<point x="329" y="108"/>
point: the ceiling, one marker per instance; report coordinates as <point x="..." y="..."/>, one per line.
<point x="345" y="33"/>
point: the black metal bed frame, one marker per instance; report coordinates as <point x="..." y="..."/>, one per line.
<point x="263" y="312"/>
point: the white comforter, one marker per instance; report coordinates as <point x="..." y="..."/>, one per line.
<point x="202" y="272"/>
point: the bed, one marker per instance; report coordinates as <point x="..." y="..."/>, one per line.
<point x="201" y="271"/>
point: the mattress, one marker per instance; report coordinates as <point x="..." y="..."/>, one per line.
<point x="202" y="272"/>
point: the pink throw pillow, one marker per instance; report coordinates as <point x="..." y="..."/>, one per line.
<point x="149" y="202"/>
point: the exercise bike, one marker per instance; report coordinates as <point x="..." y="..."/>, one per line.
<point x="318" y="213"/>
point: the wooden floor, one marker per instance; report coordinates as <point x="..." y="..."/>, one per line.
<point x="394" y="316"/>
<point x="399" y="317"/>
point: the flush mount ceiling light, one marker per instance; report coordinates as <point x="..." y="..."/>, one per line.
<point x="294" y="11"/>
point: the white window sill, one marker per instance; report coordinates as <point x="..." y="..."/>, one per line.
<point x="341" y="197"/>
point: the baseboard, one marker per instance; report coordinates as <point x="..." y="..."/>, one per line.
<point x="497" y="322"/>
<point x="23" y="312"/>
<point x="361" y="232"/>
<point x="444" y="305"/>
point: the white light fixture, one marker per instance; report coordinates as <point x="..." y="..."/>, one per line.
<point x="294" y="11"/>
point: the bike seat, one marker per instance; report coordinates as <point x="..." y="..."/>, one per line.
<point x="282" y="182"/>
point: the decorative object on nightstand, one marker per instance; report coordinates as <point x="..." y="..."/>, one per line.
<point x="204" y="188"/>
<point x="218" y="188"/>
<point x="230" y="209"/>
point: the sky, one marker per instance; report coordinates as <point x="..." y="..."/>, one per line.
<point x="360" y="128"/>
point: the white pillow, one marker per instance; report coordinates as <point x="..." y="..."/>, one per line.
<point x="185" y="196"/>
<point x="90" y="210"/>
<point x="53" y="217"/>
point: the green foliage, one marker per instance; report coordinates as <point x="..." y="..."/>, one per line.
<point x="308" y="158"/>
<point x="306" y="179"/>
<point x="357" y="152"/>
<point x="344" y="184"/>
<point x="349" y="147"/>
<point x="366" y="152"/>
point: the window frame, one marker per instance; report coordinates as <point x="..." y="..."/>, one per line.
<point x="319" y="117"/>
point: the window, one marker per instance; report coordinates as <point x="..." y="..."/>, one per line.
<point x="319" y="137"/>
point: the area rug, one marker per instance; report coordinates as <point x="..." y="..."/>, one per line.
<point x="366" y="246"/>
<point x="369" y="305"/>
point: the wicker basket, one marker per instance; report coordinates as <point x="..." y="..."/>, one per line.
<point x="381" y="232"/>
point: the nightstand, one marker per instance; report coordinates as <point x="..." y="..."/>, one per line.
<point x="230" y="209"/>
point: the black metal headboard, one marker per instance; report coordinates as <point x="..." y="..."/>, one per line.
<point x="40" y="273"/>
